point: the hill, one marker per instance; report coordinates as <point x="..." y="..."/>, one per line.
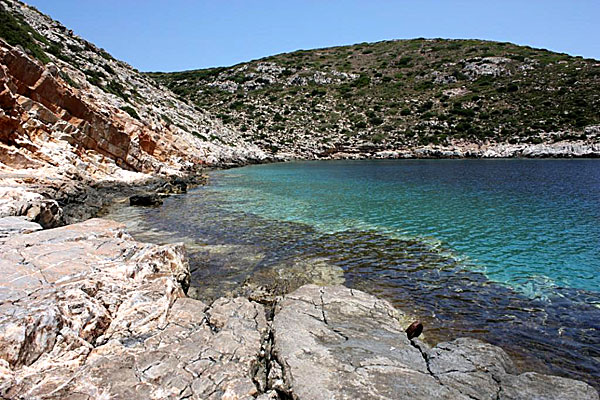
<point x="401" y="94"/>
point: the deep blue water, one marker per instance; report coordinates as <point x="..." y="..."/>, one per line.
<point x="502" y="250"/>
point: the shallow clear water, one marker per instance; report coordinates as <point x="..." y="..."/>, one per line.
<point x="532" y="224"/>
<point x="502" y="250"/>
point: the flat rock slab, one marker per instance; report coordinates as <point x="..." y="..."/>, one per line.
<point x="89" y="313"/>
<point x="338" y="343"/>
<point x="11" y="226"/>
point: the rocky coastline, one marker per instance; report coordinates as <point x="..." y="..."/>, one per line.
<point x="88" y="312"/>
<point x="570" y="149"/>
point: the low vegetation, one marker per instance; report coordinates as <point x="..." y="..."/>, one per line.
<point x="17" y="32"/>
<point x="400" y="93"/>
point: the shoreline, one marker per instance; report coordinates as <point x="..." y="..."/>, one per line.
<point x="61" y="199"/>
<point x="215" y="246"/>
<point x="283" y="383"/>
<point x="117" y="322"/>
<point x="560" y="149"/>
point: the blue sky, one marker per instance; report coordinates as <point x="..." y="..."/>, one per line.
<point x="172" y="35"/>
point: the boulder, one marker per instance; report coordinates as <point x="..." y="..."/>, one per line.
<point x="20" y="201"/>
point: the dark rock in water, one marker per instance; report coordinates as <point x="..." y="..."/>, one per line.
<point x="145" y="200"/>
<point x="414" y="330"/>
<point x="180" y="185"/>
<point x="177" y="186"/>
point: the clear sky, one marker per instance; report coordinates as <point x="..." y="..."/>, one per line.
<point x="173" y="35"/>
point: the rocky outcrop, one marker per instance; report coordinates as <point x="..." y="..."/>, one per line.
<point x="339" y="343"/>
<point x="77" y="119"/>
<point x="572" y="149"/>
<point x="145" y="200"/>
<point x="89" y="313"/>
<point x="559" y="149"/>
<point x="102" y="106"/>
<point x="25" y="202"/>
<point x="53" y="197"/>
<point x="46" y="122"/>
<point x="563" y="149"/>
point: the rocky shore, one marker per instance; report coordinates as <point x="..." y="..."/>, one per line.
<point x="88" y="312"/>
<point x="567" y="149"/>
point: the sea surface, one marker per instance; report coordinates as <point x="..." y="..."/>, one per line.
<point x="507" y="251"/>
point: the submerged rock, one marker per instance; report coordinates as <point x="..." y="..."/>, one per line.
<point x="266" y="284"/>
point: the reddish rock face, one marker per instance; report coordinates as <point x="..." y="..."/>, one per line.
<point x="146" y="143"/>
<point x="23" y="77"/>
<point x="39" y="108"/>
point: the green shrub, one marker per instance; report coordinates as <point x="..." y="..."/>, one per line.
<point x="362" y="81"/>
<point x="129" y="110"/>
<point x="375" y="120"/>
<point x="94" y="77"/>
<point x="68" y="79"/>
<point x="117" y="89"/>
<point x="378" y="138"/>
<point x="17" y="32"/>
<point x="404" y="61"/>
<point x="200" y="136"/>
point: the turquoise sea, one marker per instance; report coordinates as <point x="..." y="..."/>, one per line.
<point x="504" y="250"/>
<point x="533" y="225"/>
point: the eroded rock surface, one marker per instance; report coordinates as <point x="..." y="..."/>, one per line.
<point x="338" y="343"/>
<point x="87" y="312"/>
<point x="11" y="226"/>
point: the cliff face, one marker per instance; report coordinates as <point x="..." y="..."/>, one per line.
<point x="72" y="117"/>
<point x="45" y="122"/>
<point x="77" y="107"/>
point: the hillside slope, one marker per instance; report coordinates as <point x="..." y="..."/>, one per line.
<point x="403" y="94"/>
<point x="78" y="127"/>
<point x="64" y="100"/>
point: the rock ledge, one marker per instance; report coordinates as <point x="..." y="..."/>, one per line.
<point x="89" y="313"/>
